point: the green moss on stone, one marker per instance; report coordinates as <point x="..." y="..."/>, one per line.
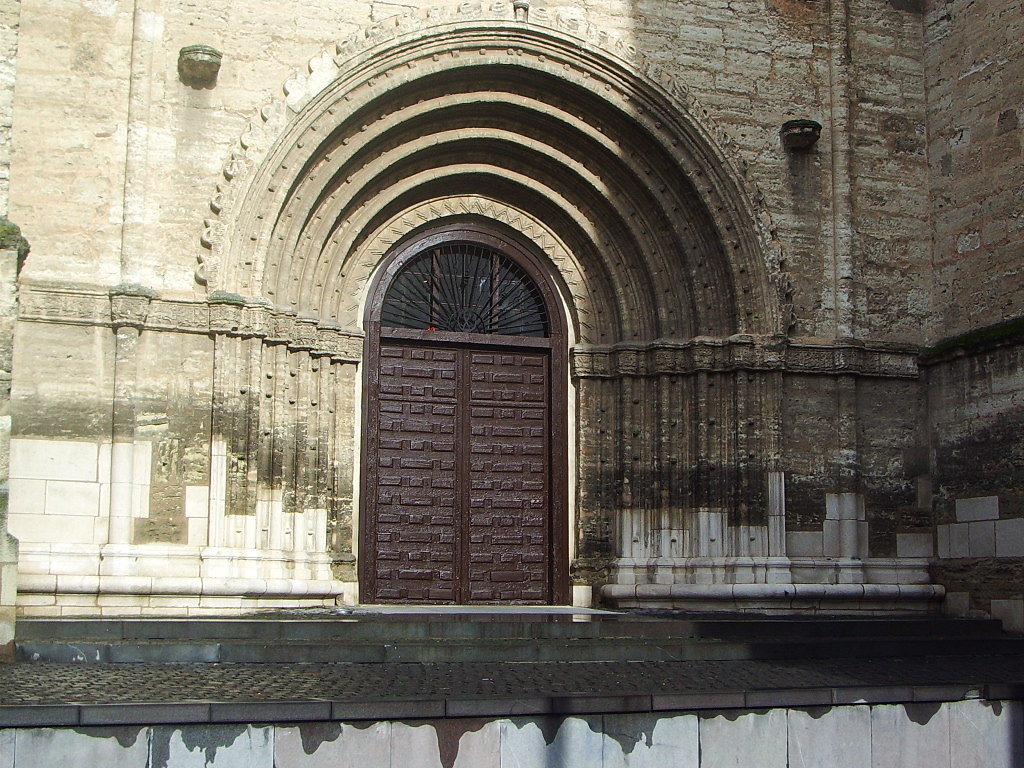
<point x="132" y="289"/>
<point x="11" y="239"/>
<point x="227" y="297"/>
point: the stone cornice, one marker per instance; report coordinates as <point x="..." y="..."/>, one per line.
<point x="248" y="319"/>
<point x="254" y="318"/>
<point x="743" y="353"/>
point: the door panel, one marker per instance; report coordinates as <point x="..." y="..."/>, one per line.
<point x="509" y="538"/>
<point x="416" y="474"/>
<point x="462" y="502"/>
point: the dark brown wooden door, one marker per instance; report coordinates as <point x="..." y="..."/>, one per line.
<point x="460" y="475"/>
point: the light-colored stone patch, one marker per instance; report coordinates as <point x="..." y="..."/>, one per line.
<point x="985" y="734"/>
<point x="910" y="735"/>
<point x="1010" y="538"/>
<point x="749" y="740"/>
<point x="978" y="508"/>
<point x="838" y="738"/>
<point x="328" y="745"/>
<point x="480" y="747"/>
<point x="54" y="460"/>
<point x="415" y="746"/>
<point x="575" y="744"/>
<point x="7" y="748"/>
<point x="651" y="741"/>
<point x="51" y="747"/>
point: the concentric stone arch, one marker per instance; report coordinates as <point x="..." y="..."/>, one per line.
<point x="662" y="238"/>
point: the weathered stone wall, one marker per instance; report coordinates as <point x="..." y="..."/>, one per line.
<point x="977" y="425"/>
<point x="975" y="66"/>
<point x="9" y="22"/>
<point x="189" y="351"/>
<point x="920" y="735"/>
<point x="749" y="69"/>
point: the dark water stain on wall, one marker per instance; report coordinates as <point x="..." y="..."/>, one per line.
<point x="315" y="735"/>
<point x="126" y="735"/>
<point x="922" y="713"/>
<point x="208" y="738"/>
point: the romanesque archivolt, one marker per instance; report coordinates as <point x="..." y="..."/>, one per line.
<point x="301" y="142"/>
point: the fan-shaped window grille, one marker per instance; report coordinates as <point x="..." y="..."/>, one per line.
<point x="465" y="288"/>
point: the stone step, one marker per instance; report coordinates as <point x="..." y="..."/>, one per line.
<point x="268" y="641"/>
<point x="393" y="627"/>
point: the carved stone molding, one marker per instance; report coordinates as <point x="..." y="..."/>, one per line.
<point x="252" y="319"/>
<point x="667" y="357"/>
<point x="562" y="42"/>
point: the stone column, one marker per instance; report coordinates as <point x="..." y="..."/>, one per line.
<point x="128" y="308"/>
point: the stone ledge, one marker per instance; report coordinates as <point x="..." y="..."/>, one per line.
<point x="767" y="598"/>
<point x="172" y="587"/>
<point x="171" y="713"/>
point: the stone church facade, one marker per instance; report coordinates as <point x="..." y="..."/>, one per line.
<point x="708" y="305"/>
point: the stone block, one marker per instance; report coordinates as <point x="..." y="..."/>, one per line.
<point x="7" y="748"/>
<point x="198" y="532"/>
<point x="197" y="501"/>
<point x="985" y="734"/>
<point x="942" y="541"/>
<point x="977" y="508"/>
<point x="415" y="746"/>
<point x="959" y="544"/>
<point x="910" y="735"/>
<point x="749" y="740"/>
<point x="982" y="539"/>
<point x="215" y="746"/>
<point x="1011" y="613"/>
<point x="140" y="500"/>
<point x="142" y="462"/>
<point x="328" y="745"/>
<point x="72" y="498"/>
<point x="54" y="529"/>
<point x="844" y="506"/>
<point x="836" y="738"/>
<point x="125" y="747"/>
<point x="831" y="532"/>
<point x="578" y="743"/>
<point x="479" y="742"/>
<point x="805" y="544"/>
<point x="914" y="545"/>
<point x="53" y="460"/>
<point x="651" y="741"/>
<point x="27" y="496"/>
<point x="1010" y="538"/>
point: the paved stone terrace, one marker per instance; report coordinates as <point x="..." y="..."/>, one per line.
<point x="54" y="694"/>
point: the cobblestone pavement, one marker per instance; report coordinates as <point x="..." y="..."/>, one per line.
<point x="57" y="683"/>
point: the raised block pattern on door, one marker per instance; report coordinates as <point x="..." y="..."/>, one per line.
<point x="462" y="507"/>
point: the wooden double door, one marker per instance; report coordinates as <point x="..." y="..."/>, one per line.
<point x="464" y="488"/>
<point x="460" y="475"/>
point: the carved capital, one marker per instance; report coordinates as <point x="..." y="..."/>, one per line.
<point x="129" y="306"/>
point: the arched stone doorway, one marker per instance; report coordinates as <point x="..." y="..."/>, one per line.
<point x="464" y="461"/>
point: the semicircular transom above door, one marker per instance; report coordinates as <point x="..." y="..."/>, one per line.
<point x="463" y="497"/>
